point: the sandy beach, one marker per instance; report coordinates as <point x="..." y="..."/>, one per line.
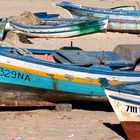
<point x="93" y="121"/>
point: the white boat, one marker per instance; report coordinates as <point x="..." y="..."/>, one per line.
<point x="125" y="101"/>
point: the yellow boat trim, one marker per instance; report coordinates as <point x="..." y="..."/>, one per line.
<point x="56" y="76"/>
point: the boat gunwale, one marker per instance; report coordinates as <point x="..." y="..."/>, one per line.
<point x="131" y="101"/>
<point x="69" y="7"/>
<point x="71" y="67"/>
<point x="120" y="88"/>
<point x="42" y="27"/>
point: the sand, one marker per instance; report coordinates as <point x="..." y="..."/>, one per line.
<point x="78" y="124"/>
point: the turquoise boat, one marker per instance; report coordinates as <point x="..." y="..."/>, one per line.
<point x="34" y="75"/>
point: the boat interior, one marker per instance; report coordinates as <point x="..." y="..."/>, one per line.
<point x="113" y="60"/>
<point x="67" y="21"/>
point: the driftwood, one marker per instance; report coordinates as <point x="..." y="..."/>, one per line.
<point x="14" y="37"/>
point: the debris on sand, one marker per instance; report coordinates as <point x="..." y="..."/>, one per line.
<point x="14" y="37"/>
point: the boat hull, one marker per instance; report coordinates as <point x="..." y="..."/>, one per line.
<point x="127" y="109"/>
<point x="66" y="30"/>
<point x="119" y="20"/>
<point x="68" y="34"/>
<point x="17" y="95"/>
<point x="28" y="80"/>
<point x="132" y="129"/>
<point x="124" y="26"/>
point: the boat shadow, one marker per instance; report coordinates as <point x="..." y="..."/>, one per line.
<point x="117" y="128"/>
<point x="84" y="105"/>
<point x="92" y="106"/>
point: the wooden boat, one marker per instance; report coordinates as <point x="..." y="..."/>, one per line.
<point x="125" y="101"/>
<point x="2" y="27"/>
<point x="63" y="27"/>
<point x="36" y="75"/>
<point x="116" y="9"/>
<point x="110" y="11"/>
<point x="122" y="20"/>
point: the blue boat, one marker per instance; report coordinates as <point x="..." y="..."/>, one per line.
<point x="121" y="20"/>
<point x="63" y="75"/>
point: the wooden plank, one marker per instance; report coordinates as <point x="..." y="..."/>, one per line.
<point x="61" y="59"/>
<point x="93" y="58"/>
<point x="18" y="103"/>
<point x="79" y="57"/>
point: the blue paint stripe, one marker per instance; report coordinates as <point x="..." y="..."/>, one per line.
<point x="132" y="88"/>
<point x="125" y="22"/>
<point x="124" y="100"/>
<point x="70" y="5"/>
<point x="82" y="10"/>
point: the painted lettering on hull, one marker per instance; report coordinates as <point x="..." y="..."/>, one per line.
<point x="14" y="74"/>
<point x="133" y="109"/>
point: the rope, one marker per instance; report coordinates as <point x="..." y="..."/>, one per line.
<point x="21" y="51"/>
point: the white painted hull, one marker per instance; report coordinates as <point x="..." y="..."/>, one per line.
<point x="123" y="109"/>
<point x="127" y="109"/>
